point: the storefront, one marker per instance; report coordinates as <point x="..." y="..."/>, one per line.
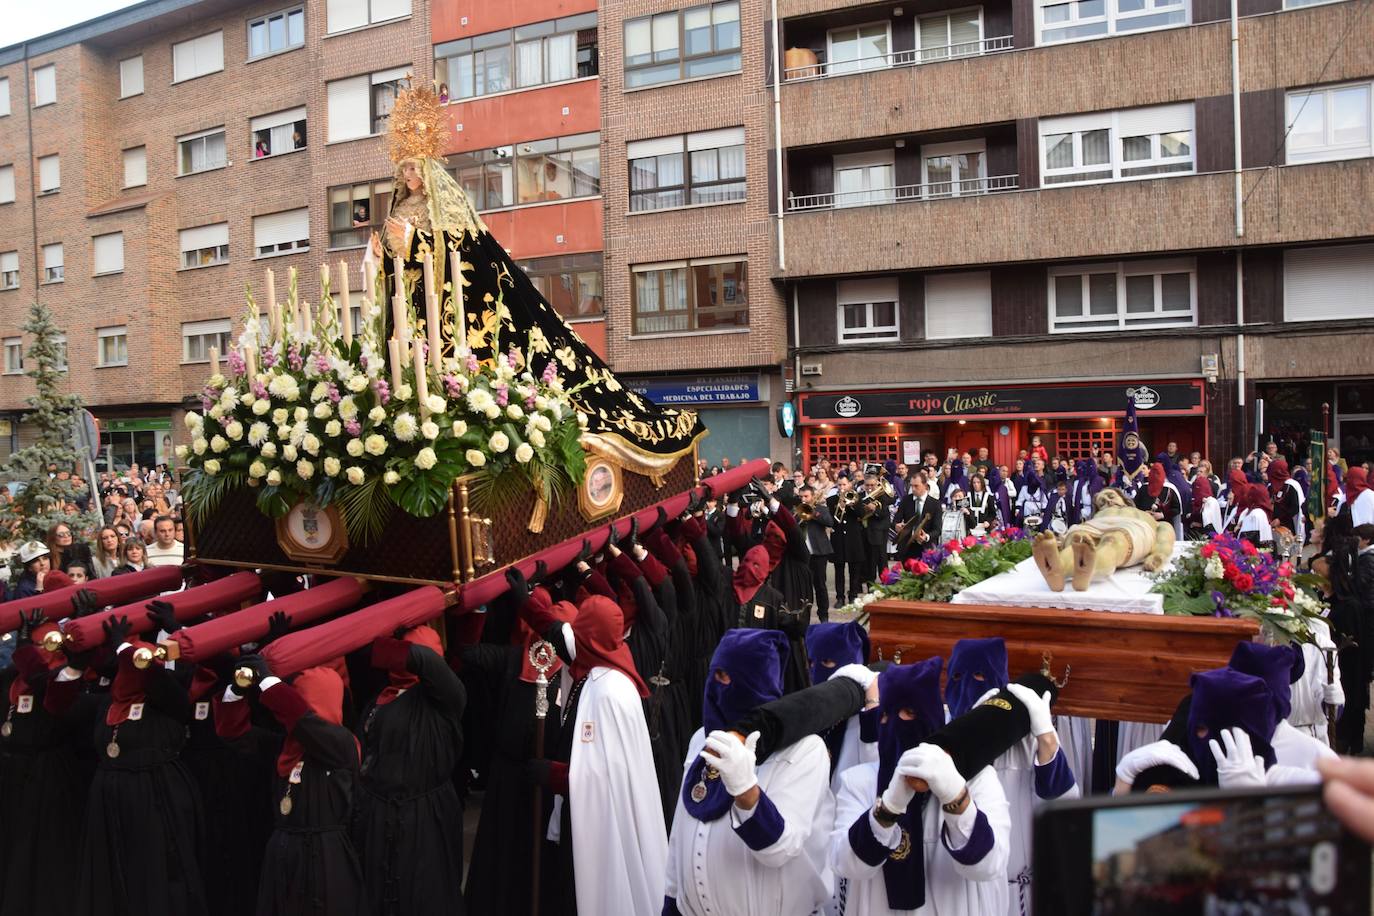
<point x="733" y="407"/>
<point x="123" y="441"/>
<point x="1071" y="420"/>
<point x="1288" y="411"/>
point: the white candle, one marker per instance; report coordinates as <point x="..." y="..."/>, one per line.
<point x="369" y="280"/>
<point x="393" y="348"/>
<point x="307" y="322"/>
<point x="324" y="278"/>
<point x="421" y="382"/>
<point x="214" y="360"/>
<point x="273" y="316"/>
<point x="345" y="308"/>
<point x="431" y="312"/>
<point x="250" y="361"/>
<point x="460" y="332"/>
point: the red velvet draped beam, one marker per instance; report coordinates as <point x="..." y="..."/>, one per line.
<point x="327" y="641"/>
<point x="57" y="603"/>
<point x="220" y="596"/>
<point x="208" y="639"/>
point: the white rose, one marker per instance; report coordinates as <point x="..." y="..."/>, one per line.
<point x="429" y="429"/>
<point x="216" y="412"/>
<point x="404" y="392"/>
<point x="269" y="450"/>
<point x="356" y="475"/>
<point x="475" y="458"/>
<point x="234" y="430"/>
<point x="279" y="416"/>
<point x="219" y="444"/>
<point x="305" y="469"/>
<point x="333" y="428"/>
<point x="248" y="399"/>
<point x="523" y="453"/>
<point x="499" y="442"/>
<point x="514" y="412"/>
<point x="301" y="415"/>
<point x="426" y="459"/>
<point x="391" y="478"/>
<point x="182" y="451"/>
<point x="354" y="447"/>
<point x="436" y="404"/>
<point x="199" y="445"/>
<point x="323" y="410"/>
<point x="212" y="467"/>
<point x="216" y="380"/>
<point x="288" y="453"/>
<point x="257" y="469"/>
<point x="377" y="414"/>
<point x="375" y="444"/>
<point x="541" y="402"/>
<point x="543" y="423"/>
<point x="274" y="478"/>
<point x="404" y="427"/>
<point x="331" y="466"/>
<point x="311" y="443"/>
<point x="536" y="438"/>
<point x="493" y="411"/>
<point x="460" y="428"/>
<point x="261" y="406"/>
<point x="193" y="420"/>
<point x="348" y="408"/>
<point x="357" y="383"/>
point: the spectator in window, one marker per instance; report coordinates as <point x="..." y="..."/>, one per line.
<point x="297" y="138"/>
<point x="443" y="93"/>
<point x="361" y="219"/>
<point x="133" y="556"/>
<point x="260" y="149"/>
<point x="165" y="550"/>
<point x="105" y="555"/>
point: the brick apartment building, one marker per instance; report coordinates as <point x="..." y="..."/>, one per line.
<point x="156" y="160"/>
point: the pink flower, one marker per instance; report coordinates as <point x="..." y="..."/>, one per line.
<point x="953" y="546"/>
<point x="969" y="540"/>
<point x="353" y="427"/>
<point x="1248" y="549"/>
<point x="921" y="568"/>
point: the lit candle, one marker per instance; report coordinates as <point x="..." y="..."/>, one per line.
<point x="273" y="316"/>
<point x="421" y="382"/>
<point x="214" y="360"/>
<point x="460" y="333"/>
<point x="431" y="312"/>
<point x="345" y="308"/>
<point x="393" y="349"/>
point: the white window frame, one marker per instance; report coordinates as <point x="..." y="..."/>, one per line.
<point x="119" y="333"/>
<point x="43" y="78"/>
<point x="199" y="72"/>
<point x="9" y="270"/>
<point x="143" y="154"/>
<point x="1116" y="22"/>
<point x="266" y="20"/>
<point x="1329" y="151"/>
<point x="54" y="273"/>
<point x="4" y="96"/>
<point x="131" y="76"/>
<point x="690" y="310"/>
<point x="203" y="136"/>
<point x="983" y="329"/>
<point x="859" y="65"/>
<point x="956" y="148"/>
<point x="1111" y="121"/>
<point x="684" y="145"/>
<point x="869" y="196"/>
<point x="14" y="355"/>
<point x="278" y="124"/>
<point x="849" y="293"/>
<point x="947" y="51"/>
<point x="56" y="160"/>
<point x="95" y="254"/>
<point x="371" y="15"/>
<point x="220" y="253"/>
<point x="201" y="336"/>
<point x="7" y="192"/>
<point x="285" y="245"/>
<point x="1086" y="322"/>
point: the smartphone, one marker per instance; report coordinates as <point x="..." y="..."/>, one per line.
<point x="1271" y="851"/>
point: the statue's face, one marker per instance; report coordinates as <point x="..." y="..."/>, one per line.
<point x="410" y="174"/>
<point x="1110" y="496"/>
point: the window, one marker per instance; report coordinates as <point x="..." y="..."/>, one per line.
<point x="866" y="310"/>
<point x="4" y="96"/>
<point x="360" y="105"/>
<point x="109" y="253"/>
<point x="356" y="211"/>
<point x="959" y="305"/>
<point x="274" y="134"/>
<point x="44" y="85"/>
<point x="52" y="263"/>
<point x="1117" y="145"/>
<point x="6" y="184"/>
<point x="198" y="57"/>
<point x="560" y="168"/>
<point x="276" y="32"/>
<point x="1330" y="123"/>
<point x="277" y="233"/>
<point x="14" y="355"/>
<point x="197" y="337"/>
<point x="529" y="55"/>
<point x="956" y="34"/>
<point x="131" y="76"/>
<point x="954" y="169"/>
<point x="863" y="47"/>
<point x="49" y="174"/>
<point x="701" y="168"/>
<point x="1130" y="294"/>
<point x="685" y="44"/>
<point x="684" y="296"/>
<point x="112" y="346"/>
<point x="204" y="246"/>
<point x="201" y="152"/>
<point x="342" y="15"/>
<point x="863" y="178"/>
<point x="9" y="270"/>
<point x="1327" y="283"/>
<point x="1072" y="20"/>
<point x="135" y="167"/>
<point x="571" y="283"/>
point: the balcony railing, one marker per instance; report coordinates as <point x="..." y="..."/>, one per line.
<point x="935" y="190"/>
<point x="908" y="58"/>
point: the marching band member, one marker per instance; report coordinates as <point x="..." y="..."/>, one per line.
<point x="919" y="518"/>
<point x="982" y="505"/>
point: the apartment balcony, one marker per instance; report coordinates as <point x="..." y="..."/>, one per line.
<point x="934" y="190"/>
<point x="1290" y="204"/>
<point x="911" y="57"/>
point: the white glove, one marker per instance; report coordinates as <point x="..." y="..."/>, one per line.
<point x="899" y="792"/>
<point x="859" y="674"/>
<point x="1333" y="693"/>
<point x="1237" y="767"/>
<point x="732" y="510"/>
<point x="773" y="506"/>
<point x="1041" y="720"/>
<point x="931" y="763"/>
<point x="1159" y="753"/>
<point x="734" y="761"/>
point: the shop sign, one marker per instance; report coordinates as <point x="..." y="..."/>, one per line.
<point x="690" y="391"/>
<point x="138" y="425"/>
<point x="1063" y="400"/>
<point x="787" y="419"/>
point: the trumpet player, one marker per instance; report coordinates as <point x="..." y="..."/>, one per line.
<point x="874" y="503"/>
<point x="816" y="522"/>
<point x="846" y="540"/>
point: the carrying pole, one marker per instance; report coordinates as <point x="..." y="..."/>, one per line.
<point x="541" y="656"/>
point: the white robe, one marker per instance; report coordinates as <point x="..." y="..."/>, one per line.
<point x="1257" y="520"/>
<point x="619" y="841"/>
<point x="712" y="871"/>
<point x="852" y="752"/>
<point x="952" y="888"/>
<point x="1211" y="514"/>
<point x="1311" y="690"/>
<point x="1016" y="771"/>
<point x="1076" y="741"/>
<point x="1300" y="532"/>
<point x="1362" y="509"/>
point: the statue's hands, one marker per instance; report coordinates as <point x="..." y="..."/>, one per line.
<point x="375" y="243"/>
<point x="396" y="232"/>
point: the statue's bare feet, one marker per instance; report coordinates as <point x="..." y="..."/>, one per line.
<point x="1084" y="563"/>
<point x="1154" y="562"/>
<point x="1045" y="550"/>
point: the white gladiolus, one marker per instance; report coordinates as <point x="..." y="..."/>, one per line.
<point x="405" y="427"/>
<point x="426" y="459"/>
<point x="331" y="466"/>
<point x="234" y="430"/>
<point x="523" y="453"/>
<point x="269" y="450"/>
<point x="475" y="458"/>
<point x="377" y="414"/>
<point x="375" y="444"/>
<point x="274" y="478"/>
<point x="257" y="434"/>
<point x="305" y="469"/>
<point x="333" y="428"/>
<point x="355" y="475"/>
<point x="354" y="447"/>
<point x="257" y="469"/>
<point x="219" y="444"/>
<point x="499" y="442"/>
<point x="198" y="445"/>
<point x="323" y="410"/>
<point x="261" y="406"/>
<point x="1213" y="568"/>
<point x="288" y="453"/>
<point x="460" y="428"/>
<point x="436" y="404"/>
<point x="212" y="467"/>
<point x="311" y="443"/>
<point x="391" y="478"/>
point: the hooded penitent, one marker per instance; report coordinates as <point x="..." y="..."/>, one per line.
<point x="598" y="632"/>
<point x="833" y="645"/>
<point x="401" y="680"/>
<point x="1278" y="477"/>
<point x="1277" y="666"/>
<point x="975" y="667"/>
<point x="958" y="477"/>
<point x="1225" y="698"/>
<point x="1202" y="491"/>
<point x="129" y="684"/>
<point x="323" y="690"/>
<point x="1086" y="481"/>
<point x="753" y="572"/>
<point x="752" y="661"/>
<point x="1252" y="496"/>
<point x="1155" y="485"/>
<point x="1174" y="474"/>
<point x="1356" y="482"/>
<point x="775" y="542"/>
<point x="915" y="688"/>
<point x="999" y="493"/>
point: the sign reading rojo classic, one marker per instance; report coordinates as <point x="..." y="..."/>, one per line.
<point x="1100" y="400"/>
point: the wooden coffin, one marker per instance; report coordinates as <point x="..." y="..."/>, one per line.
<point x="1130" y="667"/>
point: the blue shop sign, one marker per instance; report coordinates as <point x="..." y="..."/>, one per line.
<point x="690" y="391"/>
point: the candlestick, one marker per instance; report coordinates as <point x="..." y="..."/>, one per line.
<point x="214" y="360"/>
<point x="421" y="382"/>
<point x="393" y="349"/>
<point x="432" y="313"/>
<point x="345" y="307"/>
<point x="273" y="316"/>
<point x="460" y="333"/>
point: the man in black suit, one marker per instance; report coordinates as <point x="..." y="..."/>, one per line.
<point x="847" y="542"/>
<point x="921" y="510"/>
<point x="873" y="512"/>
<point x="816" y="524"/>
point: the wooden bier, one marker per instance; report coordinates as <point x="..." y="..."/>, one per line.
<point x="1130" y="667"/>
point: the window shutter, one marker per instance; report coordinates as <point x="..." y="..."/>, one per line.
<point x="49" y="173"/>
<point x="205" y="237"/>
<point x="382" y="10"/>
<point x="959" y="305"/>
<point x="1156" y="119"/>
<point x="714" y="139"/>
<point x="52" y="255"/>
<point x="45" y="85"/>
<point x="6" y="184"/>
<point x="1327" y="283"/>
<point x="210" y="52"/>
<point x="345" y="14"/>
<point x="877" y="289"/>
<point x="279" y="119"/>
<point x="135" y="167"/>
<point x="9" y="261"/>
<point x="109" y="252"/>
<point x="349" y="110"/>
<point x="4" y="96"/>
<point x="131" y="77"/>
<point x="387" y="76"/>
<point x="663" y="146"/>
<point x="276" y="228"/>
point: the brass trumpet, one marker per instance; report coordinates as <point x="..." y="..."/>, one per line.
<point x="847" y="501"/>
<point x="805" y="512"/>
<point x="143" y="656"/>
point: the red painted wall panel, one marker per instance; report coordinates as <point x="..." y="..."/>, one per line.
<point x="531" y="232"/>
<point x="534" y="114"/>
<point x="446" y="16"/>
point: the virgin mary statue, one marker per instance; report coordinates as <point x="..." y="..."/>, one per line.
<point x="496" y="305"/>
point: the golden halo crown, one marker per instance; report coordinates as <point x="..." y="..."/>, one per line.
<point x="418" y="125"/>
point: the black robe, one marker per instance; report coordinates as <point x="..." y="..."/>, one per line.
<point x="716" y="612"/>
<point x="408" y="821"/>
<point x="144" y="824"/>
<point x="766" y="611"/>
